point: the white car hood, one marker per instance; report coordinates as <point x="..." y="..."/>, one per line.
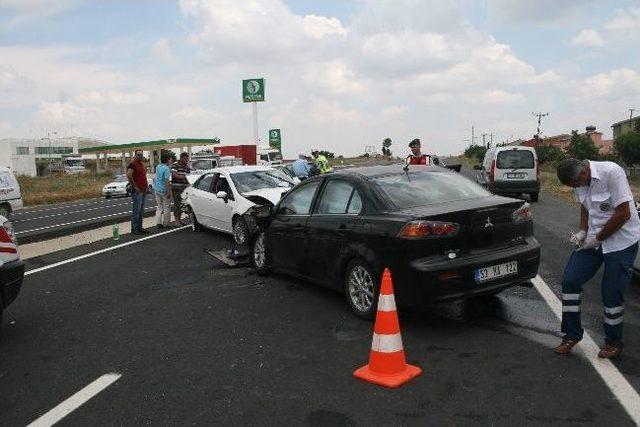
<point x="271" y="194"/>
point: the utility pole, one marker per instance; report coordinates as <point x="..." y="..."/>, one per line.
<point x="490" y="140"/>
<point x="473" y="136"/>
<point x="631" y="110"/>
<point x="540" y="116"/>
<point x="484" y="143"/>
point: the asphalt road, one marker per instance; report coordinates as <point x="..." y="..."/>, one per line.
<point x="197" y="343"/>
<point x="43" y="222"/>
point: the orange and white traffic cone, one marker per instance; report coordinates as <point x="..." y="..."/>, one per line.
<point x="387" y="364"/>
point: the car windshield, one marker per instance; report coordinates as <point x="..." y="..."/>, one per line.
<point x="121" y="178"/>
<point x="257" y="180"/>
<point x="408" y="190"/>
<point x="515" y="159"/>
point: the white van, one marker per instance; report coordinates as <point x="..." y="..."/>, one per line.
<point x="10" y="196"/>
<point x="510" y="171"/>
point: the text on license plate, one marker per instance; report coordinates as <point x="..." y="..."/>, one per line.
<point x="515" y="176"/>
<point x="495" y="271"/>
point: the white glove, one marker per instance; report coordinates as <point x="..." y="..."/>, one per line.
<point x="590" y="243"/>
<point x="578" y="237"/>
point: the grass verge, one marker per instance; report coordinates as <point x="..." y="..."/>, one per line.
<point x="44" y="190"/>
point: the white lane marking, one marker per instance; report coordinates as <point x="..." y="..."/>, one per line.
<point x="25" y="211"/>
<point x="75" y="401"/>
<point x="72" y="212"/>
<point x="617" y="383"/>
<point x="79" y="221"/>
<point x="101" y="251"/>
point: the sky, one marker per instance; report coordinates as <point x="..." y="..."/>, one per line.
<point x="340" y="75"/>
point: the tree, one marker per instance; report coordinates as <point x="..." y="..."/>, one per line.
<point x="582" y="147"/>
<point x="327" y="154"/>
<point x="475" y="151"/>
<point x="549" y="153"/>
<point x="627" y="146"/>
<point x="386" y="143"/>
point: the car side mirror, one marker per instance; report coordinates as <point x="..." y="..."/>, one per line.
<point x="477" y="167"/>
<point x="222" y="195"/>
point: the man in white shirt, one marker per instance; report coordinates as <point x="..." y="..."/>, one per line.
<point x="609" y="233"/>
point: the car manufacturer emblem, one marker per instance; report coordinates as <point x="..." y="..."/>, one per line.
<point x="488" y="223"/>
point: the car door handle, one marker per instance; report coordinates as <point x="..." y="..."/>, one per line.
<point x="342" y="230"/>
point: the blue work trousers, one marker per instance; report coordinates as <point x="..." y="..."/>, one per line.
<point x="582" y="266"/>
<point x="137" y="198"/>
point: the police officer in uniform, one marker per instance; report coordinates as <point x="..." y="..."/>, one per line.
<point x="417" y="158"/>
<point x="608" y="234"/>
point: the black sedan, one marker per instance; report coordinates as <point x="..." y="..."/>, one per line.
<point x="441" y="235"/>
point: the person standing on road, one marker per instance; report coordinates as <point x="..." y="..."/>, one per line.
<point x="609" y="232"/>
<point x="321" y="161"/>
<point x="417" y="158"/>
<point x="162" y="188"/>
<point x="179" y="172"/>
<point x="137" y="176"/>
<point x="301" y="167"/>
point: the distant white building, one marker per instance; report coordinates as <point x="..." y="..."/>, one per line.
<point x="22" y="154"/>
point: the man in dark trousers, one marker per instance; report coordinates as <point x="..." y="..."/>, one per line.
<point x="179" y="172"/>
<point x="608" y="234"/>
<point x="417" y="158"/>
<point x="137" y="175"/>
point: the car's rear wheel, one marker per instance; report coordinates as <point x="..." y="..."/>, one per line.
<point x="240" y="231"/>
<point x="534" y="197"/>
<point x="362" y="286"/>
<point x="260" y="256"/>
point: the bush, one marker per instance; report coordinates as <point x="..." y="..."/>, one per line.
<point x="627" y="146"/>
<point x="476" y="152"/>
<point x="549" y="154"/>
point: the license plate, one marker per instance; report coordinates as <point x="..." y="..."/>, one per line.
<point x="495" y="271"/>
<point x="515" y="176"/>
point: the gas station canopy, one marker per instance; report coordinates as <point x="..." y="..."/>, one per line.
<point x="162" y="144"/>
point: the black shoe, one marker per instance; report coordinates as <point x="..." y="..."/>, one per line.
<point x="159" y="226"/>
<point x="143" y="231"/>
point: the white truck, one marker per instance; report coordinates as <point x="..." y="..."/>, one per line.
<point x="269" y="156"/>
<point x="10" y="196"/>
<point x="69" y="164"/>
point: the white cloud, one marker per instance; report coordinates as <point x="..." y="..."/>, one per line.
<point x="319" y="27"/>
<point x="26" y="11"/>
<point x="624" y="20"/>
<point x="540" y="11"/>
<point x="162" y="50"/>
<point x="63" y="112"/>
<point x="619" y="84"/>
<point x="113" y="97"/>
<point x="198" y="113"/>
<point x="587" y="38"/>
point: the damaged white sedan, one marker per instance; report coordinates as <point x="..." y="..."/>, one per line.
<point x="219" y="198"/>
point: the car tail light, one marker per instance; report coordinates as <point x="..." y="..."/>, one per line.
<point x="523" y="213"/>
<point x="7" y="239"/>
<point x="419" y="229"/>
<point x="492" y="172"/>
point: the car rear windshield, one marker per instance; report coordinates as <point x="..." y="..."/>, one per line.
<point x="427" y="188"/>
<point x="515" y="159"/>
<point x="257" y="180"/>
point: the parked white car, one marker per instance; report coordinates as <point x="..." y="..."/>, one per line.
<point x="11" y="267"/>
<point x="118" y="187"/>
<point x="218" y="198"/>
<point x="10" y="196"/>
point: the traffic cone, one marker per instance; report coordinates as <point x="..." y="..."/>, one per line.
<point x="387" y="364"/>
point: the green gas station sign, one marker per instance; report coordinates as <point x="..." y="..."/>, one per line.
<point x="275" y="139"/>
<point x="253" y="90"/>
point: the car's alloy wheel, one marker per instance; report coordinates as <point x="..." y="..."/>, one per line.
<point x="361" y="288"/>
<point x="260" y="255"/>
<point x="240" y="231"/>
